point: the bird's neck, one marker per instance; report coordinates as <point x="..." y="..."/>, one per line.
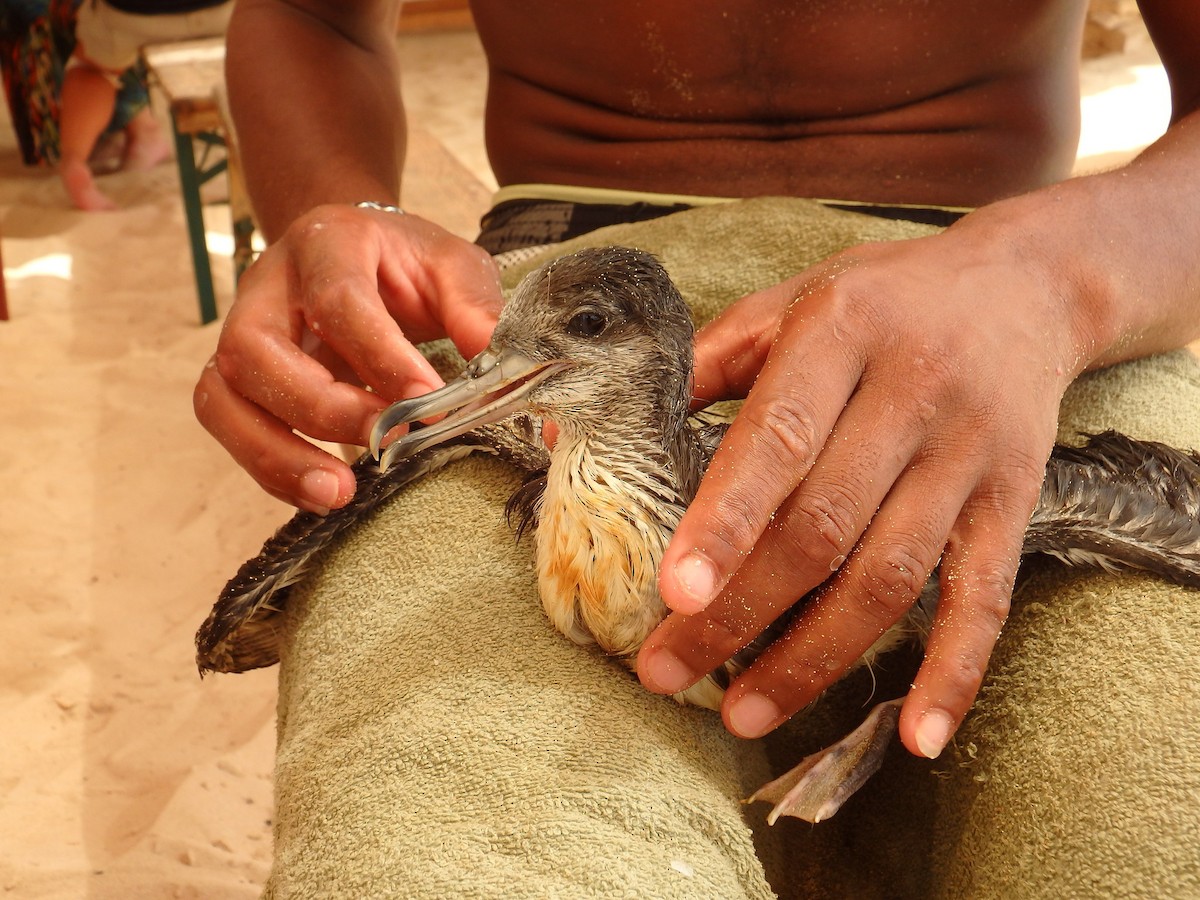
<point x="611" y="504"/>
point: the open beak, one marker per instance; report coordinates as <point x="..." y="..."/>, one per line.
<point x="494" y="385"/>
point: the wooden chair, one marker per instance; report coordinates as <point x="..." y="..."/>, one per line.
<point x="191" y="75"/>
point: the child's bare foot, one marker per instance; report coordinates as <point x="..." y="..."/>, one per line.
<point x="77" y="179"/>
<point x="108" y="155"/>
<point x="147" y="147"/>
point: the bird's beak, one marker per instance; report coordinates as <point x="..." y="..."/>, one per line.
<point x="492" y="386"/>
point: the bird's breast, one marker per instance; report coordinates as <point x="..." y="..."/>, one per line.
<point x="602" y="529"/>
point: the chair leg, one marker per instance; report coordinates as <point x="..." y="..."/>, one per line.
<point x="189" y="179"/>
<point x="3" y="293"/>
<point x="241" y="213"/>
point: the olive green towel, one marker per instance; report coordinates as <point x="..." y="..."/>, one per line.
<point x="438" y="739"/>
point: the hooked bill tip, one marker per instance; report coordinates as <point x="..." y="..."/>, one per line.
<point x="398" y="413"/>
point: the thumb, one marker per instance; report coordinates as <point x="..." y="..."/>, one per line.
<point x="731" y="349"/>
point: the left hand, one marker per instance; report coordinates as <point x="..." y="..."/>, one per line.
<point x="903" y="408"/>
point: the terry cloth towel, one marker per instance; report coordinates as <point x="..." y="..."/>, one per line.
<point x="438" y="739"/>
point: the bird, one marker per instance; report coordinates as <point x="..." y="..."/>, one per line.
<point x="599" y="342"/>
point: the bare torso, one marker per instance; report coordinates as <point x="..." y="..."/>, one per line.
<point x="955" y="102"/>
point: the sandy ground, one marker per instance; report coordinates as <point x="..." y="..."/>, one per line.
<point x="121" y="774"/>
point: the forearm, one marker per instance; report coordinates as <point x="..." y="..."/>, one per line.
<point x="1119" y="249"/>
<point x="315" y="95"/>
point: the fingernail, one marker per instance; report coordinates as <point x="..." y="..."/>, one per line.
<point x="419" y="389"/>
<point x="754" y="715"/>
<point x="933" y="733"/>
<point x="320" y="488"/>
<point x="697" y="576"/>
<point x="667" y="673"/>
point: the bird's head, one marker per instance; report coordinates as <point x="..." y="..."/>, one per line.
<point x="584" y="340"/>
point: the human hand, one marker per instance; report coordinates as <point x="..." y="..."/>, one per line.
<point x="338" y="302"/>
<point x="903" y="407"/>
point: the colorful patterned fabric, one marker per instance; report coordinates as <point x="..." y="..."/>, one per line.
<point x="36" y="41"/>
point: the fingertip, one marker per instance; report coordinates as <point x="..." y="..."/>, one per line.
<point x="321" y="490"/>
<point x="470" y="305"/>
<point x="472" y="331"/>
<point x="751" y="714"/>
<point x="662" y="672"/>
<point x="933" y="733"/>
<point x="412" y="376"/>
<point x="691" y="583"/>
<point x="926" y="732"/>
<point x="420" y="386"/>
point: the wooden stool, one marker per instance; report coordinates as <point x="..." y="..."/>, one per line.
<point x="191" y="74"/>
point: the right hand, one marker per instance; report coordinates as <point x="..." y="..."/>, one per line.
<point x="337" y="303"/>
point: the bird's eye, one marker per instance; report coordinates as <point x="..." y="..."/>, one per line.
<point x="587" y="324"/>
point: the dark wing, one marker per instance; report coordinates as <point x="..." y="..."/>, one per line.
<point x="1121" y="503"/>
<point x="240" y="633"/>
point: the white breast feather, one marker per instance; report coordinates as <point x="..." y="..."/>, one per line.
<point x="600" y="538"/>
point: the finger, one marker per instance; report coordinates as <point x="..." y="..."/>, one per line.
<point x="260" y="355"/>
<point x="286" y="465"/>
<point x="809" y="539"/>
<point x="339" y="296"/>
<point x="879" y="583"/>
<point x="977" y="576"/>
<point x="440" y="286"/>
<point x="781" y="429"/>
<point x="271" y="372"/>
<point x="462" y="288"/>
<point x="732" y="348"/>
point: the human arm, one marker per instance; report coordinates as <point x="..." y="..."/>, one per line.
<point x="905" y="403"/>
<point x="341" y="296"/>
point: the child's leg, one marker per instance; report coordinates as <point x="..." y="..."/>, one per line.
<point x="88" y="98"/>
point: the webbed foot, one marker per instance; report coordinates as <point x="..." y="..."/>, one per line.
<point x="816" y="788"/>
